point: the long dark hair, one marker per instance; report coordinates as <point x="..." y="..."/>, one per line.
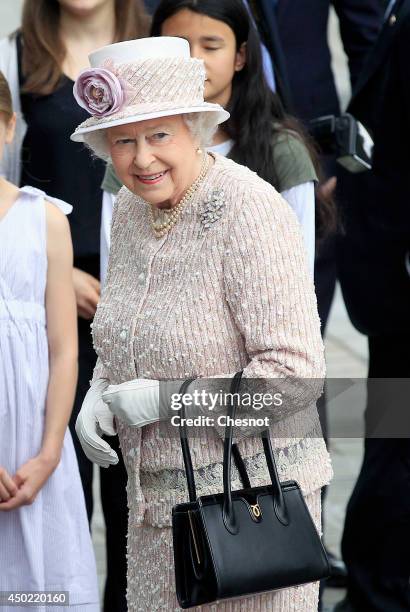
<point x="257" y="114"/>
<point x="43" y="50"/>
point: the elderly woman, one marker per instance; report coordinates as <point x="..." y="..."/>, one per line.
<point x="207" y="276"/>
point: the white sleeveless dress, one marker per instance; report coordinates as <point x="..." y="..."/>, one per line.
<point x="45" y="546"/>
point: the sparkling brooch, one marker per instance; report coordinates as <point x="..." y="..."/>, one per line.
<point x="212" y="208"/>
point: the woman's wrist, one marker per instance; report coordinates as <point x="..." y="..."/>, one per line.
<point x="50" y="457"/>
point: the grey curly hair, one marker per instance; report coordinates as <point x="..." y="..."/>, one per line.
<point x="201" y="125"/>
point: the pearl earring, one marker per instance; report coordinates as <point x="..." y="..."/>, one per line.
<point x="199" y="151"/>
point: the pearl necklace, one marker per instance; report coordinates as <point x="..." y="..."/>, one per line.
<point x="160" y="229"/>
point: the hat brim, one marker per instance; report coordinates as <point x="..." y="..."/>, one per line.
<point x="135" y="115"/>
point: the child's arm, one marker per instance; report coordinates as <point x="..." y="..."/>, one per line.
<point x="62" y="341"/>
<point x="61" y="332"/>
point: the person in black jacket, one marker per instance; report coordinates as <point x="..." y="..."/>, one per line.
<point x="304" y="67"/>
<point x="376" y="287"/>
<point x="303" y="36"/>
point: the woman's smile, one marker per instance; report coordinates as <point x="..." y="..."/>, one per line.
<point x="152" y="179"/>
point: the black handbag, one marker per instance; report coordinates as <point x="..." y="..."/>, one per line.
<point x="238" y="543"/>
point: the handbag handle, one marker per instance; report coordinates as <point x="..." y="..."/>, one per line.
<point x="278" y="500"/>
<point x="186" y="454"/>
<point x="229" y="450"/>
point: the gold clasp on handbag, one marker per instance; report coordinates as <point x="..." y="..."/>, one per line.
<point x="256" y="511"/>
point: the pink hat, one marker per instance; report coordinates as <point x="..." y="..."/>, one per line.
<point x="142" y="79"/>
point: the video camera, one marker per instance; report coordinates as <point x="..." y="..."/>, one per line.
<point x="346" y="138"/>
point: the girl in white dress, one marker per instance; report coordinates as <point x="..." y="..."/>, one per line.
<point x="44" y="534"/>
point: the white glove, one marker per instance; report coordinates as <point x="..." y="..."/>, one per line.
<point x="136" y="402"/>
<point x="93" y="420"/>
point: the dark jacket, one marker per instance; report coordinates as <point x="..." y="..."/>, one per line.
<point x="376" y="204"/>
<point x="302" y="27"/>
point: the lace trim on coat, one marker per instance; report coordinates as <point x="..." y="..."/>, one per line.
<point x="208" y="479"/>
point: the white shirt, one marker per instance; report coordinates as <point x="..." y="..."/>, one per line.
<point x="301" y="198"/>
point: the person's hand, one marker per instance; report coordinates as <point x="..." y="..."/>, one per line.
<point x="87" y="293"/>
<point x="8" y="487"/>
<point x="29" y="480"/>
<point x="93" y="420"/>
<point x="135" y="402"/>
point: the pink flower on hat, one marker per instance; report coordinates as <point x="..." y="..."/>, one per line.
<point x="99" y="91"/>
